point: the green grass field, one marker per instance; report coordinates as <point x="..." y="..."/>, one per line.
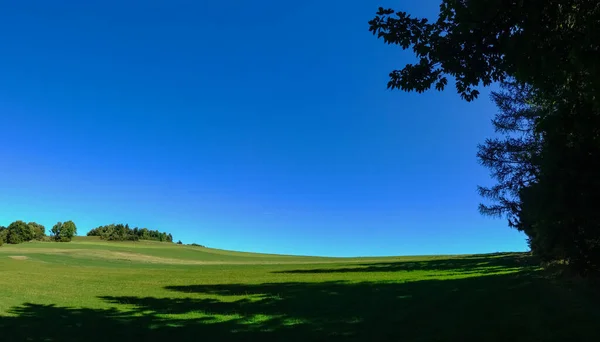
<point x="89" y="290"/>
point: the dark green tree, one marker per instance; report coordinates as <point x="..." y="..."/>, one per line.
<point x="551" y="46"/>
<point x="64" y="232"/>
<point x="514" y="158"/>
<point x="56" y="229"/>
<point x="122" y="232"/>
<point x="69" y="230"/>
<point x="478" y="42"/>
<point x="38" y="230"/>
<point x="3" y="234"/>
<point x="18" y="232"/>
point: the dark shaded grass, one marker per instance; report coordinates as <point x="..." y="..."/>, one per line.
<point x="480" y="263"/>
<point x="522" y="306"/>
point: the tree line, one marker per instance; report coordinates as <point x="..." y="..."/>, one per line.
<point x="122" y="232"/>
<point x="19" y="232"/>
<point x="545" y="54"/>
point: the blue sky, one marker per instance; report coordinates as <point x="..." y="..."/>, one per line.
<point x="259" y="126"/>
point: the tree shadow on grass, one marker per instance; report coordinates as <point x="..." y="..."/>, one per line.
<point x="479" y="263"/>
<point x="518" y="307"/>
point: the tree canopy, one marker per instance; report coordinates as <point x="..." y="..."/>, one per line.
<point x="38" y="230"/>
<point x="546" y="53"/>
<point x="18" y="232"/>
<point x="3" y="235"/>
<point x="64" y="232"/>
<point x="122" y="232"/>
<point x="478" y="42"/>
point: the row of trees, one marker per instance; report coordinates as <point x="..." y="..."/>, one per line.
<point x="19" y="232"/>
<point x="546" y="56"/>
<point x="122" y="232"/>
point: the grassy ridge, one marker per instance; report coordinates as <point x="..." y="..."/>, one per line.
<point x="79" y="291"/>
<point x="163" y="253"/>
<point x="101" y="249"/>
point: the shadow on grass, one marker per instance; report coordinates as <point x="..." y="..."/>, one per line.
<point x="479" y="263"/>
<point x="520" y="306"/>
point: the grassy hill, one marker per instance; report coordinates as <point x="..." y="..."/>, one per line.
<point x="94" y="290"/>
<point x="158" y="253"/>
<point x="143" y="252"/>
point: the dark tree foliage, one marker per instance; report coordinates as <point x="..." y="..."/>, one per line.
<point x="563" y="204"/>
<point x="18" y="232"/>
<point x="514" y="157"/>
<point x="38" y="230"/>
<point x="3" y="234"/>
<point x="548" y="161"/>
<point x="64" y="232"/>
<point x="122" y="232"/>
<point x="478" y="42"/>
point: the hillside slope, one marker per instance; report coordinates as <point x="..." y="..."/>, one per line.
<point x="92" y="251"/>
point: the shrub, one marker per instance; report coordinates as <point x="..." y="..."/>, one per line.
<point x="46" y="238"/>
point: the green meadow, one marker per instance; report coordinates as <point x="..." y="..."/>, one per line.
<point x="90" y="290"/>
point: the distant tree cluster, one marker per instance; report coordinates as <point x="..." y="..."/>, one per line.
<point x="64" y="232"/>
<point x="19" y="232"/>
<point x="122" y="232"/>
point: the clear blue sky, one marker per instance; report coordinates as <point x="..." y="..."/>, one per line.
<point x="246" y="125"/>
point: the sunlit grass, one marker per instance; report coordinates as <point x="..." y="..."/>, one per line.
<point x="80" y="291"/>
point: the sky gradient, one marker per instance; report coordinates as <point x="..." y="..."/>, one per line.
<point x="257" y="126"/>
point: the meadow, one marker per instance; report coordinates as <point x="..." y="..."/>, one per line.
<point x="91" y="290"/>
